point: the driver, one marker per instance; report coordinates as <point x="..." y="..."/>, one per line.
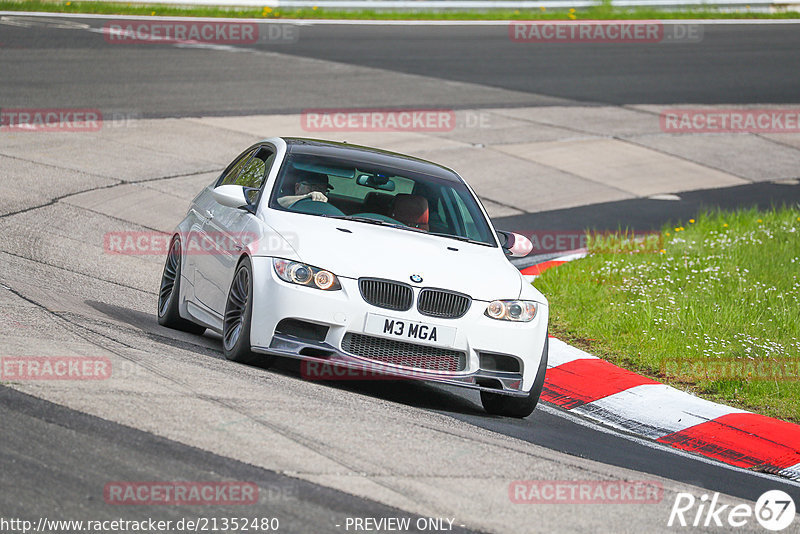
<point x="312" y="185"/>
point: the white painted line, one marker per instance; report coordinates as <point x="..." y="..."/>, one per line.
<point x="322" y="22"/>
<point x="792" y="472"/>
<point x="578" y="254"/>
<point x="561" y="353"/>
<point x="653" y="410"/>
<point x="570" y="256"/>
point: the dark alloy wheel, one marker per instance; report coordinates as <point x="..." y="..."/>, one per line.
<point x="170" y="291"/>
<point x="238" y="313"/>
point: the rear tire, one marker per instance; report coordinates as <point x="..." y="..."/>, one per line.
<point x="170" y="291"/>
<point x="238" y="315"/>
<point x="519" y="407"/>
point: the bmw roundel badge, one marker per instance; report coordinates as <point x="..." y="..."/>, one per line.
<point x="416" y="278"/>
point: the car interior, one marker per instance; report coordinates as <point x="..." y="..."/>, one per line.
<point x="396" y="200"/>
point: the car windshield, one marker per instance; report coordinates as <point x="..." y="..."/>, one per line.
<point x="360" y="191"/>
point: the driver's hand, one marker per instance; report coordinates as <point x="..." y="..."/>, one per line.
<point x="317" y="196"/>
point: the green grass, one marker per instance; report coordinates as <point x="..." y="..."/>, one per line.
<point x="601" y="12"/>
<point x="712" y="307"/>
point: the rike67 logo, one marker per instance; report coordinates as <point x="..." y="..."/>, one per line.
<point x="774" y="510"/>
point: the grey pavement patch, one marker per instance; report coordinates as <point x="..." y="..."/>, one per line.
<point x="638" y="171"/>
<point x="747" y="156"/>
<point x="74" y="240"/>
<point x="605" y="121"/>
<point x="184" y="187"/>
<point x="179" y="138"/>
<point x="788" y="139"/>
<point x="135" y="203"/>
<point x="25" y="184"/>
<point x="498" y="209"/>
<point x="87" y="152"/>
<point x="502" y="126"/>
<point x="261" y="125"/>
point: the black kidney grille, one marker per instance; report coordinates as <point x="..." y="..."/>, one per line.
<point x="386" y="294"/>
<point x="444" y="304"/>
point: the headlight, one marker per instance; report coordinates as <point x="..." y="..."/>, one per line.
<point x="305" y="275"/>
<point x="521" y="311"/>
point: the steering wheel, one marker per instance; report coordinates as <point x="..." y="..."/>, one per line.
<point x="314" y="207"/>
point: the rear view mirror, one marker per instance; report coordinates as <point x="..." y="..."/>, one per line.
<point x="375" y="182"/>
<point x="232" y="196"/>
<point x="515" y="245"/>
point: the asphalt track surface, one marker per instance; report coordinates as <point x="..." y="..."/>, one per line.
<point x="49" y="67"/>
<point x="733" y="64"/>
<point x="108" y="451"/>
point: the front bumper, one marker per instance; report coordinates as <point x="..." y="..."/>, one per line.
<point x="344" y="311"/>
<point x="323" y="353"/>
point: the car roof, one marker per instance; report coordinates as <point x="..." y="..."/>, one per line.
<point x="374" y="156"/>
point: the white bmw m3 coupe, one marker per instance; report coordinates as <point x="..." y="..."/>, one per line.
<point x="357" y="258"/>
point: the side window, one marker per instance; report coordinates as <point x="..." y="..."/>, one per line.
<point x="235" y="168"/>
<point x="255" y="172"/>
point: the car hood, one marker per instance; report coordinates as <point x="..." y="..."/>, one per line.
<point x="353" y="249"/>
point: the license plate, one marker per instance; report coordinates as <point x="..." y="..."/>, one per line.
<point x="412" y="331"/>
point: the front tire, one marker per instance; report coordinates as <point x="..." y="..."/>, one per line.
<point x="519" y="407"/>
<point x="238" y="315"/>
<point x="169" y="293"/>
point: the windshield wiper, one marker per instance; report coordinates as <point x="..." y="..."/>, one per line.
<point x="380" y="222"/>
<point x="459" y="238"/>
<point x="367" y="220"/>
